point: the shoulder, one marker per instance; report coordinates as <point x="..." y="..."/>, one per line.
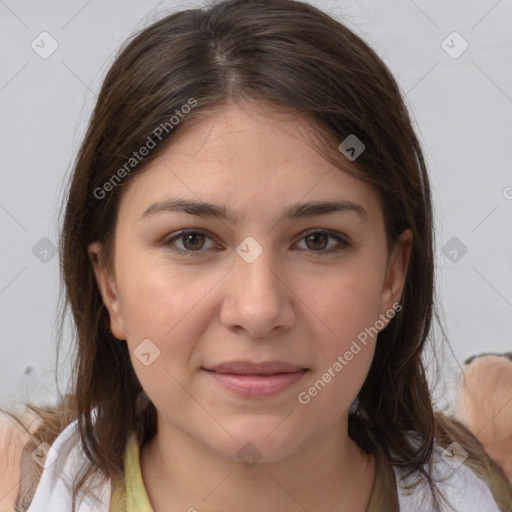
<point x="462" y="488"/>
<point x="13" y="438"/>
<point x="63" y="466"/>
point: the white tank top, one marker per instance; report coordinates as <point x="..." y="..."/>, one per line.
<point x="464" y="490"/>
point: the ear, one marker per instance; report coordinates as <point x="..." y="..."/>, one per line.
<point x="107" y="286"/>
<point x="396" y="272"/>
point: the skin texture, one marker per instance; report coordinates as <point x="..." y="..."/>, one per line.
<point x="485" y="407"/>
<point x="293" y="303"/>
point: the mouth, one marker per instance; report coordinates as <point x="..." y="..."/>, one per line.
<point x="256" y="380"/>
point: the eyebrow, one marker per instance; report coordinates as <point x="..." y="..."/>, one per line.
<point x="294" y="211"/>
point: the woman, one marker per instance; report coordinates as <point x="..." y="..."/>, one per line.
<point x="247" y="253"/>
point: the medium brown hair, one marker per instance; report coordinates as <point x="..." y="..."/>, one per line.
<point x="292" y="55"/>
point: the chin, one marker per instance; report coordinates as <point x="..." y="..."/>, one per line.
<point x="265" y="442"/>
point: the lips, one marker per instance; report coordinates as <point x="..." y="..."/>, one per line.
<point x="240" y="367"/>
<point x="256" y="380"/>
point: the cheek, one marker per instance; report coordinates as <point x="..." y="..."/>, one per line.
<point x="166" y="308"/>
<point x="348" y="305"/>
<point x="345" y="342"/>
<point x="156" y="296"/>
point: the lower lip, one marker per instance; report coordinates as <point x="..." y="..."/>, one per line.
<point x="256" y="386"/>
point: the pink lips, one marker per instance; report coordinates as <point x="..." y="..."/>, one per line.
<point x="256" y="380"/>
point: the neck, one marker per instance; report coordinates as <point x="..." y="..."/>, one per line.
<point x="329" y="474"/>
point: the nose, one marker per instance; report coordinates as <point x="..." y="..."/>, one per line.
<point x="257" y="298"/>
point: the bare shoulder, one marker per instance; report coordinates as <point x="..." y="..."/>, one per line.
<point x="12" y="440"/>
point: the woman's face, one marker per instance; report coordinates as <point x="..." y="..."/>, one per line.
<point x="256" y="288"/>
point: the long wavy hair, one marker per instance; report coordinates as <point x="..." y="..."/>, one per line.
<point x="292" y="55"/>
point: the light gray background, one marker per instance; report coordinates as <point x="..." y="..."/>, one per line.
<point x="462" y="109"/>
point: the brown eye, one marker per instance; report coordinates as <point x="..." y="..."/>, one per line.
<point x="318" y="241"/>
<point x="191" y="241"/>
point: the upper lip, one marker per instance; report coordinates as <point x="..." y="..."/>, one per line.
<point x="251" y="368"/>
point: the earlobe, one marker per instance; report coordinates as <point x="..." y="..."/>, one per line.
<point x="108" y="290"/>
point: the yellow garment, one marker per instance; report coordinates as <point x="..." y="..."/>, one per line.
<point x="131" y="495"/>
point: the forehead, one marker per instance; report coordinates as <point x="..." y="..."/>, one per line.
<point x="251" y="158"/>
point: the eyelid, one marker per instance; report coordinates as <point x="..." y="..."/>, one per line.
<point x="335" y="234"/>
<point x="167" y="241"/>
<point x="342" y="239"/>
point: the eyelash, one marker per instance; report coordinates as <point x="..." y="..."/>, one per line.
<point x="168" y="243"/>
